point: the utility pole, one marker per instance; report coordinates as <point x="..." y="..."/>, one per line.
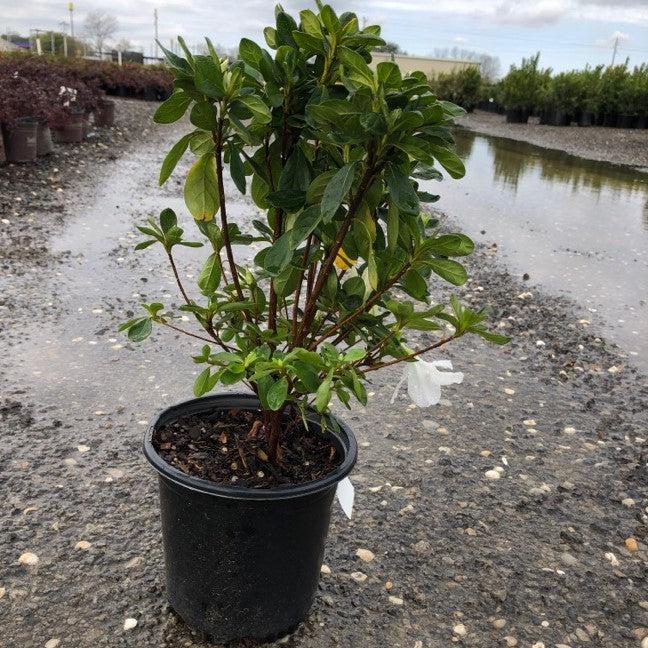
<point x="71" y="10"/>
<point x="52" y="45"/>
<point x="155" y="18"/>
<point x="614" y="53"/>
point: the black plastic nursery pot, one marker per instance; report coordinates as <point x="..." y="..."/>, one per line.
<point x="44" y="145"/>
<point x="72" y="132"/>
<point x="105" y="113"/>
<point x="22" y="141"/>
<point x="241" y="562"/>
<point x="517" y="116"/>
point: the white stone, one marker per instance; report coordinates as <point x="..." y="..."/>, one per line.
<point x="460" y="630"/>
<point x="359" y="577"/>
<point x="613" y="560"/>
<point x="28" y="558"/>
<point x="529" y="422"/>
<point x="499" y="623"/>
<point x="569" y="430"/>
<point x="492" y="474"/>
<point x="395" y="600"/>
<point x="130" y="623"/>
<point x="325" y="569"/>
<point x="83" y="545"/>
<point x="365" y="554"/>
<point x="628" y="502"/>
<point x="83" y="448"/>
<point x="52" y="643"/>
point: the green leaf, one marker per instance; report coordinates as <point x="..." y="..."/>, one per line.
<point x="278" y="255"/>
<point x="317" y="187"/>
<point x="389" y="74"/>
<point x="401" y="190"/>
<point x="141" y="330"/>
<point x="210" y="275"/>
<point x="259" y="109"/>
<point x="200" y="190"/>
<point x="330" y="20"/>
<point x="308" y="42"/>
<point x="208" y="77"/>
<point x="173" y="157"/>
<point x="393" y="225"/>
<point x="449" y="160"/>
<point x="450" y="245"/>
<point x="176" y="62"/>
<point x="277" y="394"/>
<point x="451" y="271"/>
<point x="359" y="389"/>
<point x="250" y="52"/>
<point x="173" y="108"/>
<point x="203" y="115"/>
<point x="490" y="337"/>
<point x="310" y="23"/>
<point x="168" y="219"/>
<point x="237" y="170"/>
<point x="144" y="244"/>
<point x="205" y="382"/>
<point x="323" y="394"/>
<point x="336" y="190"/>
<point x="358" y="69"/>
<point x="291" y="200"/>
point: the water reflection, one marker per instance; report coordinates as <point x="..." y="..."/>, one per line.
<point x="576" y="227"/>
<point x="513" y="161"/>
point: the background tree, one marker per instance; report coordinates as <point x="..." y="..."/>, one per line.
<point x="490" y="65"/>
<point x="391" y="48"/>
<point x="98" y="27"/>
<point x="74" y="45"/>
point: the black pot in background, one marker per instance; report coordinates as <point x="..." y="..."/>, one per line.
<point x="44" y="145"/>
<point x="150" y="93"/>
<point x="642" y="121"/>
<point x="627" y="121"/>
<point x="21" y="141"/>
<point x="242" y="562"/>
<point x="73" y="132"/>
<point x="610" y="120"/>
<point x="105" y="113"/>
<point x="586" y="118"/>
<point x="517" y="116"/>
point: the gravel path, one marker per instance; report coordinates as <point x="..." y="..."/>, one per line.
<point x="513" y="514"/>
<point x="617" y="145"/>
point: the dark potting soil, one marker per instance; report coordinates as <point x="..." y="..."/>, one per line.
<point x="230" y="446"/>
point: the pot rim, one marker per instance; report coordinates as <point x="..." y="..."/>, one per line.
<point x="344" y="436"/>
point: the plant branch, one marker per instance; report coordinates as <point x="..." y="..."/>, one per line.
<point x="311" y="306"/>
<point x="218" y="144"/>
<point x="177" y="278"/>
<point x="414" y="354"/>
<point x="180" y="330"/>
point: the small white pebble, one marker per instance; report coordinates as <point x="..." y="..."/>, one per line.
<point x="53" y="643"/>
<point x="460" y="630"/>
<point x="28" y="558"/>
<point x="83" y="448"/>
<point x="499" y="623"/>
<point x="396" y="600"/>
<point x="569" y="430"/>
<point x="628" y="502"/>
<point x="509" y="391"/>
<point x="529" y="422"/>
<point x="325" y="569"/>
<point x="130" y="623"/>
<point x="358" y="576"/>
<point x="612" y="559"/>
<point x="492" y="474"/>
<point x="82" y="544"/>
<point x="365" y="555"/>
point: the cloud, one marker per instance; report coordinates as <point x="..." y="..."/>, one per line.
<point x="460" y="39"/>
<point x="617" y="37"/>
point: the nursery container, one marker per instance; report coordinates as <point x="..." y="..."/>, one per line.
<point x="105" y="113"/>
<point x="72" y="132"/>
<point x="44" y="145"/>
<point x="22" y="141"/>
<point x="517" y="116"/>
<point x="243" y="562"/>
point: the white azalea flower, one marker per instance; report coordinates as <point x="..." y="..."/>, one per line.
<point x="424" y="381"/>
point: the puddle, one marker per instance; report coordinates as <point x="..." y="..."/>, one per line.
<point x="577" y="227"/>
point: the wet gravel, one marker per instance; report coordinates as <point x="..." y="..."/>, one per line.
<point x="512" y="514"/>
<point x="624" y="146"/>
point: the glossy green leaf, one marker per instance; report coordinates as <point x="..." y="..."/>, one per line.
<point x="277" y="394"/>
<point x="336" y="190"/>
<point x="173" y="108"/>
<point x="203" y="115"/>
<point x="173" y="157"/>
<point x="200" y="190"/>
<point x="210" y="275"/>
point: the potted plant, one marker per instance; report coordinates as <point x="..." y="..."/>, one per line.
<point x="521" y="89"/>
<point x="331" y="153"/>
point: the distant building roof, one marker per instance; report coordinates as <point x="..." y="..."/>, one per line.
<point x="6" y="46"/>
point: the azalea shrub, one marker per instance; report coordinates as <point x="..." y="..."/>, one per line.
<point x="333" y="151"/>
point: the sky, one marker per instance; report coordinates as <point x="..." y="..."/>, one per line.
<point x="568" y="33"/>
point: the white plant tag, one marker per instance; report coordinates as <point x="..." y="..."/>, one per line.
<point x="346" y="494"/>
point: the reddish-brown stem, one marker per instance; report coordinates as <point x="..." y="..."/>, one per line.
<point x="311" y="306"/>
<point x="359" y="311"/>
<point x="179" y="330"/>
<point x="177" y="278"/>
<point x="272" y="424"/>
<point x="218" y="144"/>
<point x="436" y="345"/>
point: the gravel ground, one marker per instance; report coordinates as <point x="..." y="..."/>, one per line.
<point x="512" y="514"/>
<point x="628" y="147"/>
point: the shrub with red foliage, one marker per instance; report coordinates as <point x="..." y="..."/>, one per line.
<point x="52" y="89"/>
